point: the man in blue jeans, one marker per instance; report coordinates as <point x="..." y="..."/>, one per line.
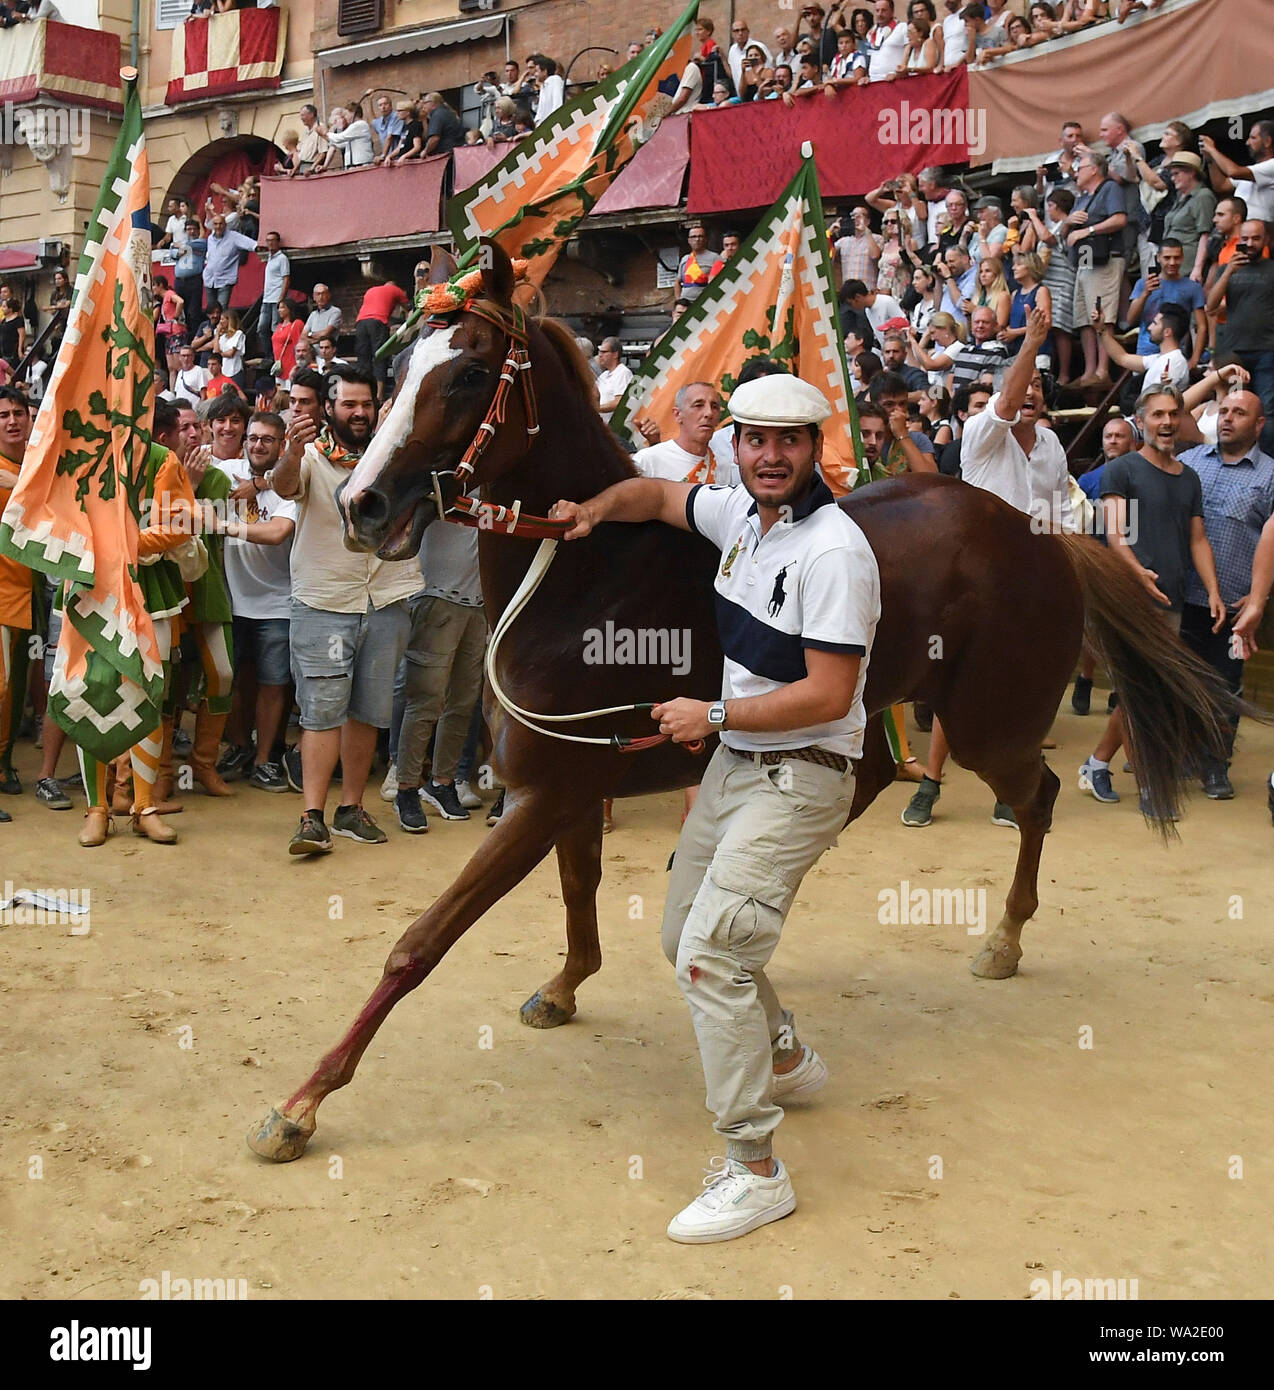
<point x="1246" y="288"/>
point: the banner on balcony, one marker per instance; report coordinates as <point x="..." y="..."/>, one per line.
<point x="863" y="136"/>
<point x="73" y="512"/>
<point x="774" y="298"/>
<point x="45" y="58"/>
<point x="241" y="51"/>
<point x="536" y="197"/>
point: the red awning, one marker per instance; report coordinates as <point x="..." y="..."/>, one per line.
<point x="23" y="256"/>
<point x="745" y="155"/>
<point x="652" y="180"/>
<point x="356" y="205"/>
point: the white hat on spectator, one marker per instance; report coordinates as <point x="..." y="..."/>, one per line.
<point x="778" y="399"/>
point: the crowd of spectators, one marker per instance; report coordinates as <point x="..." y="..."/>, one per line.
<point x="845" y="45"/>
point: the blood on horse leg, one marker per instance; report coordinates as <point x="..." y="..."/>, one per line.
<point x="579" y="861"/>
<point x="523" y="837"/>
<point x="1031" y="791"/>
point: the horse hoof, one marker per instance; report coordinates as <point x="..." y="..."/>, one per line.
<point x="539" y="1012"/>
<point x="996" y="963"/>
<point x="279" y="1139"/>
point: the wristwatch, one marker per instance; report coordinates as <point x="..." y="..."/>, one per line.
<point x="716" y="715"/>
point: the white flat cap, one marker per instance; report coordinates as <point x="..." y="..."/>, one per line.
<point x="779" y="400"/>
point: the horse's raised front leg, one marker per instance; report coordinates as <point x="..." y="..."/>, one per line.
<point x="579" y="862"/>
<point x="523" y="837"/>
<point x="1033" y="808"/>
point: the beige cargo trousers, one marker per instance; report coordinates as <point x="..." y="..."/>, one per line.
<point x="753" y="834"/>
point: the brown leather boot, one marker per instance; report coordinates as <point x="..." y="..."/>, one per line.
<point x="203" y="758"/>
<point x="97" y="826"/>
<point x="148" y="824"/>
<point x="165" y="781"/>
<point x="122" y="797"/>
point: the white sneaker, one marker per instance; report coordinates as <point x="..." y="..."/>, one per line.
<point x="735" y="1202"/>
<point x="389" y="787"/>
<point x="808" y="1076"/>
<point x="468" y="799"/>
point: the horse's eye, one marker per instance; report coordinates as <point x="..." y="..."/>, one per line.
<point x="472" y="376"/>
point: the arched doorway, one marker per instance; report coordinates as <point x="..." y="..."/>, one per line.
<point x="226" y="163"/>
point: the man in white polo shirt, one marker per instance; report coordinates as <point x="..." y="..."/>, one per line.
<point x="689" y="457"/>
<point x="1003" y="450"/>
<point x="613" y="379"/>
<point x="888" y="40"/>
<point x="258" y="574"/>
<point x="798" y="599"/>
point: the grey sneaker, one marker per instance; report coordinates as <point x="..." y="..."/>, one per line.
<point x="269" y="777"/>
<point x="235" y="762"/>
<point x="292" y="768"/>
<point x="469" y="799"/>
<point x="1002" y="814"/>
<point x="411" y="814"/>
<point x="51" y="794"/>
<point x="355" y="824"/>
<point x="445" y="800"/>
<point x="312" y="837"/>
<point x="920" y="808"/>
<point x="1096" y="780"/>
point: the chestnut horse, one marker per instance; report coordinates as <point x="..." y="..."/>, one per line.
<point x="981" y="618"/>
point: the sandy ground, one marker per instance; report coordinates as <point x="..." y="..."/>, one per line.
<point x="547" y="1164"/>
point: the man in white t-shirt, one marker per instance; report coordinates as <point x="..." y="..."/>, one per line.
<point x="690" y="89"/>
<point x="955" y="37"/>
<point x="1168" y="364"/>
<point x="879" y="308"/>
<point x="552" y="87"/>
<point x="888" y="40"/>
<point x="258" y="553"/>
<point x="1254" y="181"/>
<point x="612" y="379"/>
<point x="1004" y="451"/>
<point x="190" y="379"/>
<point x="689" y="457"/>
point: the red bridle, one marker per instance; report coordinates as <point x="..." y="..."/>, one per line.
<point x="471" y="511"/>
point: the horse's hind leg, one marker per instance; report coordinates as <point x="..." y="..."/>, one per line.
<point x="1031" y="790"/>
<point x="579" y="862"/>
<point x="523" y="837"/>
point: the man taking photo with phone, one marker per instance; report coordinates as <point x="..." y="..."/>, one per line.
<point x="1246" y="288"/>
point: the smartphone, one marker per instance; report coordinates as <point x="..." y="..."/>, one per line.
<point x="1154" y="266"/>
<point x="1097" y="305"/>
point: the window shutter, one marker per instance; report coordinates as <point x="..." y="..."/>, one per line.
<point x="359" y="16"/>
<point x="171" y="14"/>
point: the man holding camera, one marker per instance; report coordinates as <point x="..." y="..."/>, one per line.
<point x="1246" y="288"/>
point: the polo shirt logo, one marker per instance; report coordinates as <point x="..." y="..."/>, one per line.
<point x="779" y="597"/>
<point x="731" y="558"/>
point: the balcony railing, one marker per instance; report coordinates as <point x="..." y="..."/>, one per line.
<point x="46" y="58"/>
<point x="216" y="56"/>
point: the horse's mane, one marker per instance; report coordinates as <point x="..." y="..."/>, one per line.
<point x="562" y="341"/>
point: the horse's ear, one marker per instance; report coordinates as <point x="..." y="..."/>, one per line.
<point x="497" y="272"/>
<point x="442" y="266"/>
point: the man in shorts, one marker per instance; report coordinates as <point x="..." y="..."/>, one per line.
<point x="349" y="623"/>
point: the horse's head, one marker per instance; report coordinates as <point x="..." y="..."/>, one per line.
<point x="417" y="458"/>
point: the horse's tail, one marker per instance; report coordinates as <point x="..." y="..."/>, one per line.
<point x="1176" y="707"/>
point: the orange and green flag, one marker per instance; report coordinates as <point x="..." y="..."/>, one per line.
<point x="536" y="197"/>
<point x="774" y="298"/>
<point x="73" y="512"/>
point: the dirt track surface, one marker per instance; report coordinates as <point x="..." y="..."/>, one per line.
<point x="448" y="1169"/>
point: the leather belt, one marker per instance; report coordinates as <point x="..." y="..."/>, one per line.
<point x="838" y="761"/>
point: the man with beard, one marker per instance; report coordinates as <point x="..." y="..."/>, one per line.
<point x="798" y="592"/>
<point x="349" y="623"/>
<point x="1154" y="522"/>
